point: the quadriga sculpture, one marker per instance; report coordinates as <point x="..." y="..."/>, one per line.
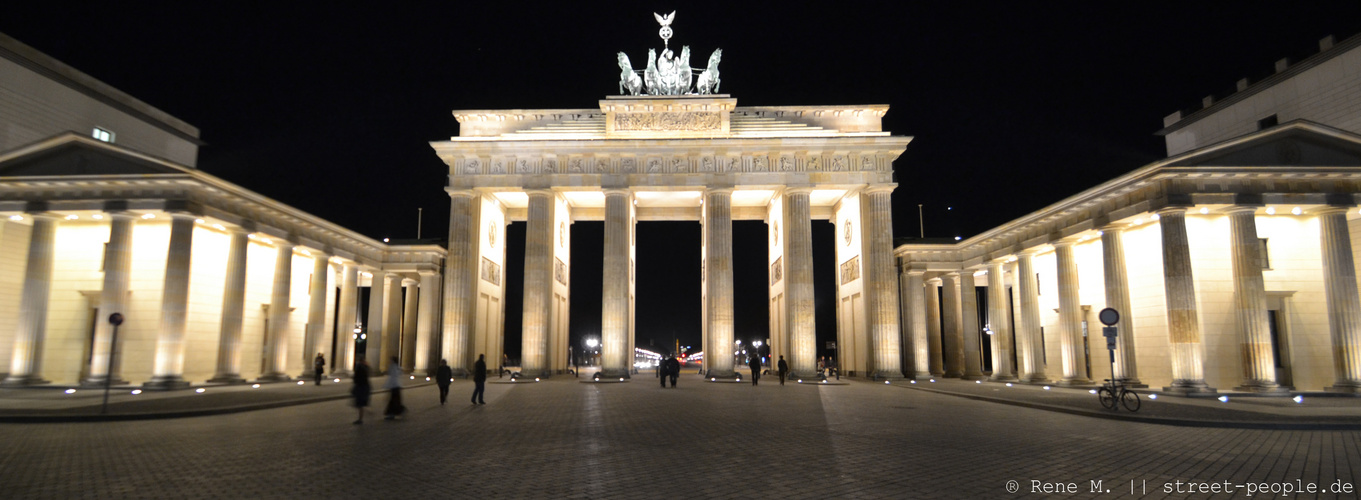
<point x="628" y="79"/>
<point x="708" y="80"/>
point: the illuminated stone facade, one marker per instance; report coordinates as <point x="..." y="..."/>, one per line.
<point x="698" y="158"/>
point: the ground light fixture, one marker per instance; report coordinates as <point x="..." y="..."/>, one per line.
<point x="136" y="392"/>
<point x="300" y="382"/>
<point x="255" y="386"/>
<point x="70" y="391"/>
<point x="1299" y="398"/>
<point x="885" y="382"/>
<point x="337" y="381"/>
<point x="1046" y="387"/>
<point x="1153" y="396"/>
<point x="914" y="381"/>
<point x="200" y="390"/>
<point x="978" y="381"/>
<point x="1093" y="391"/>
<point x="1223" y="399"/>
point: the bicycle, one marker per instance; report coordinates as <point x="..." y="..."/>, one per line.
<point x="1114" y="393"/>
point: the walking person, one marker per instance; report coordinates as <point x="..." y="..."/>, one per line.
<point x="361" y="388"/>
<point x="663" y="369"/>
<point x="755" y="363"/>
<point x="319" y="367"/>
<point x="443" y="377"/>
<point x="783" y="369"/>
<point x="672" y="369"/>
<point x="479" y="379"/>
<point x="394" y="387"/>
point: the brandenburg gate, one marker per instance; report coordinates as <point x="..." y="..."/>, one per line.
<point x="674" y="153"/>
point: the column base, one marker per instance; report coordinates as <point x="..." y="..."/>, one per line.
<point x="894" y="376"/>
<point x="712" y="374"/>
<point x="274" y="377"/>
<point x="953" y="375"/>
<point x="94" y="383"/>
<point x="1003" y="378"/>
<point x="1134" y="383"/>
<point x="1191" y="390"/>
<point x="1070" y="382"/>
<point x="227" y="379"/>
<point x="1265" y="390"/>
<point x="23" y="381"/>
<point x="1035" y="379"/>
<point x="166" y="383"/>
<point x="1344" y="389"/>
<point x="975" y="377"/>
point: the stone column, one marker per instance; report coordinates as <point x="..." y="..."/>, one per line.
<point x="112" y="299"/>
<point x="233" y="306"/>
<point x="538" y="287"/>
<point x="1344" y="307"/>
<point x="933" y="337"/>
<point x="999" y="322"/>
<point x="392" y="321"/>
<point x="460" y="289"/>
<point x="409" y="338"/>
<point x="316" y="313"/>
<point x="968" y="303"/>
<point x="346" y="311"/>
<point x="917" y="319"/>
<point x="718" y="277"/>
<point x="953" y="340"/>
<point x="168" y="370"/>
<point x="1187" y="351"/>
<point x="26" y="364"/>
<point x="614" y="327"/>
<point x="1117" y="297"/>
<point x="1249" y="302"/>
<point x="374" y="324"/>
<point x="427" y="351"/>
<point x="881" y="308"/>
<point x="1031" y="350"/>
<point x="799" y="304"/>
<point x="1070" y="317"/>
<point x="276" y="347"/>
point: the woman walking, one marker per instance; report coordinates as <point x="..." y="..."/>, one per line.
<point x="361" y="389"/>
<point x="394" y="387"/>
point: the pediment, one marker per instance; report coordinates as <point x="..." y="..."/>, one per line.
<point x="1295" y="146"/>
<point x="77" y="158"/>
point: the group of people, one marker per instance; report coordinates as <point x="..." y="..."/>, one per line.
<point x="781" y="369"/>
<point x="443" y="377"/>
<point x="669" y="367"/>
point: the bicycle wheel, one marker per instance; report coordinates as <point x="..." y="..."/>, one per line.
<point x="1130" y="400"/>
<point x="1106" y="397"/>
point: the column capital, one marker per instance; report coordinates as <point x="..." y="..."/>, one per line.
<point x="182" y="215"/>
<point x="797" y="190"/>
<point x="1330" y="210"/>
<point x="887" y="187"/>
<point x="462" y="193"/>
<point x="44" y="215"/>
<point x="1029" y="252"/>
<point x="1065" y="242"/>
<point x="709" y="190"/>
<point x="1000" y="261"/>
<point x="617" y="191"/>
<point x="1238" y="209"/>
<point x="406" y="282"/>
<point x="1111" y="227"/>
<point x="540" y="192"/>
<point x="1171" y="210"/>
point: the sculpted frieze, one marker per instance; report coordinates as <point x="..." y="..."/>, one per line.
<point x="786" y="164"/>
<point x="628" y="165"/>
<point x="472" y="166"/>
<point x="575" y="166"/>
<point x="654" y="165"/>
<point x="680" y="164"/>
<point x="550" y="165"/>
<point x="838" y="163"/>
<point x="760" y="164"/>
<point x="693" y="121"/>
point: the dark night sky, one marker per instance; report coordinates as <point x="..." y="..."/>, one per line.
<point x="329" y="106"/>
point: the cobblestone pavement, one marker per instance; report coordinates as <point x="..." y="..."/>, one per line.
<point x="565" y="439"/>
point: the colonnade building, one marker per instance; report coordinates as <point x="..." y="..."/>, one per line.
<point x="1232" y="262"/>
<point x="102" y="210"/>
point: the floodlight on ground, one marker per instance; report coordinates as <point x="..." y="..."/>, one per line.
<point x="413" y="377"/>
<point x="427" y="379"/>
<point x="1223" y="399"/>
<point x="1045" y="387"/>
<point x="978" y="381"/>
<point x="200" y="390"/>
<point x="337" y="381"/>
<point x="300" y="382"/>
<point x="713" y="379"/>
<point x="1008" y="384"/>
<point x="536" y="379"/>
<point x="800" y="381"/>
<point x="1298" y="398"/>
<point x="621" y="379"/>
<point x="914" y="381"/>
<point x="1093" y="391"/>
<point x="885" y="382"/>
<point x="1152" y="396"/>
<point x="933" y="381"/>
<point x="136" y="392"/>
<point x="70" y="391"/>
<point x="255" y="386"/>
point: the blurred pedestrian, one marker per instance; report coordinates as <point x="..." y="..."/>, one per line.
<point x="662" y="370"/>
<point x="443" y="377"/>
<point x="479" y="380"/>
<point x="319" y="367"/>
<point x="361" y="388"/>
<point x="672" y="369"/>
<point x="394" y="387"/>
<point x="783" y="368"/>
<point x="755" y="363"/>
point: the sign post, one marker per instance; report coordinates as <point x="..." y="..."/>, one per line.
<point x="115" y="319"/>
<point x="1110" y="317"/>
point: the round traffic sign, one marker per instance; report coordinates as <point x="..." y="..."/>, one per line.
<point x="116" y="319"/>
<point x="1108" y="316"/>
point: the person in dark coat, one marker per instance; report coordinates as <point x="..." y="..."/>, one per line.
<point x="479" y="379"/>
<point x="394" y="387"/>
<point x="672" y="369"/>
<point x="783" y="369"/>
<point x="755" y="363"/>
<point x="443" y="377"/>
<point x="319" y="367"/>
<point x="662" y="370"/>
<point x="361" y="389"/>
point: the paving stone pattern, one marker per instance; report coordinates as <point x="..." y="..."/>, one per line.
<point x="565" y="439"/>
